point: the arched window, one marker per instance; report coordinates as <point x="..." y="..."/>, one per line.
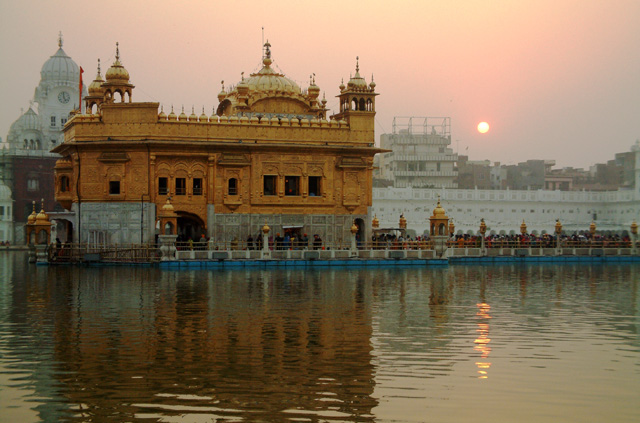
<point x="233" y="187"/>
<point x="369" y="105"/>
<point x="26" y="144"/>
<point x="168" y="228"/>
<point x="354" y="104"/>
<point x="362" y="109"/>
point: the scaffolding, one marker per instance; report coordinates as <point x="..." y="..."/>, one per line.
<point x="422" y="125"/>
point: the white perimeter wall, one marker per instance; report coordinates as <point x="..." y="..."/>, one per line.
<point x="505" y="210"/>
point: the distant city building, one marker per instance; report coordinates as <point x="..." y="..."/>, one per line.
<point x="420" y="155"/>
<point x="473" y="174"/>
<point x="26" y="163"/>
<point x="571" y="195"/>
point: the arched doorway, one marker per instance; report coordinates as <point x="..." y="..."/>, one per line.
<point x="62" y="229"/>
<point x="190" y="226"/>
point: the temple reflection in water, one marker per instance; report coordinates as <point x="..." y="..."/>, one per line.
<point x="140" y="344"/>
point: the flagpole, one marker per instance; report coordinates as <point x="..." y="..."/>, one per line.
<point x="80" y="92"/>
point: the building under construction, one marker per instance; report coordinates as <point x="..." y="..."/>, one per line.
<point x="420" y="155"/>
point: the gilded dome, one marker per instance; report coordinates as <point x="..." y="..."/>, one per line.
<point x="172" y="115"/>
<point x="42" y="218"/>
<point x="439" y="210"/>
<point x="357" y="82"/>
<point x="268" y="92"/>
<point x="32" y="217"/>
<point x="117" y="72"/>
<point x="168" y="207"/>
<point x="269" y="81"/>
<point x="95" y="88"/>
<point x="60" y="67"/>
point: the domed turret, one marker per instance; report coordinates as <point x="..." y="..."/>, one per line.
<point x="60" y="67"/>
<point x="32" y="217"/>
<point x="29" y="120"/>
<point x="222" y="94"/>
<point x="95" y="88"/>
<point x="172" y="115"/>
<point x="117" y="81"/>
<point x="117" y="72"/>
<point x="357" y="83"/>
<point x="183" y="115"/>
<point x="314" y="90"/>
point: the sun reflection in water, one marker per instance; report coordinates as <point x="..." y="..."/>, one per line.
<point x="482" y="341"/>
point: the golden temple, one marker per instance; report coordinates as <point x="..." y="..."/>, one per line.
<point x="268" y="154"/>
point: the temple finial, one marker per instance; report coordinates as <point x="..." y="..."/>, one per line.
<point x="60" y="39"/>
<point x="357" y="64"/>
<point x="117" y="50"/>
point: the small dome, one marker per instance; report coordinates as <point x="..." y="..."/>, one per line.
<point x="439" y="210"/>
<point x="357" y="83"/>
<point x="203" y="117"/>
<point x="95" y="88"/>
<point x="342" y="87"/>
<point x="314" y="90"/>
<point x="42" y="218"/>
<point x="222" y="94"/>
<point x="168" y="207"/>
<point x="183" y="115"/>
<point x="162" y="115"/>
<point x="60" y="67"/>
<point x="29" y="120"/>
<point x="32" y="217"/>
<point x="172" y="115"/>
<point x="192" y="116"/>
<point x="117" y="72"/>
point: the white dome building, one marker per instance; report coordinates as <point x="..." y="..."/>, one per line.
<point x="26" y="161"/>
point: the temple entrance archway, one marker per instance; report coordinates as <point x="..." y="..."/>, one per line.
<point x="190" y="226"/>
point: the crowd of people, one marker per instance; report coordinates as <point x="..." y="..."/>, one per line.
<point x="277" y="242"/>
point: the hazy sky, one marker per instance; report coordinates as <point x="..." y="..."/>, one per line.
<point x="555" y="79"/>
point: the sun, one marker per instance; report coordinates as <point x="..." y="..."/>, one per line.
<point x="483" y="127"/>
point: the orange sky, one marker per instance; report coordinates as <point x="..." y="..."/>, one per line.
<point x="555" y="79"/>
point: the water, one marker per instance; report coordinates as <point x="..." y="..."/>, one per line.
<point x="551" y="343"/>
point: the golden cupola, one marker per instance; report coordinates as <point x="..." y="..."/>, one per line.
<point x="96" y="92"/>
<point x="357" y="83"/>
<point x="117" y="81"/>
<point x="117" y="72"/>
<point x="95" y="88"/>
<point x="438" y="222"/>
<point x="357" y="99"/>
<point x="32" y="217"/>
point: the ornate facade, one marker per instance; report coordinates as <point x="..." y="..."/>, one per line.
<point x="267" y="154"/>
